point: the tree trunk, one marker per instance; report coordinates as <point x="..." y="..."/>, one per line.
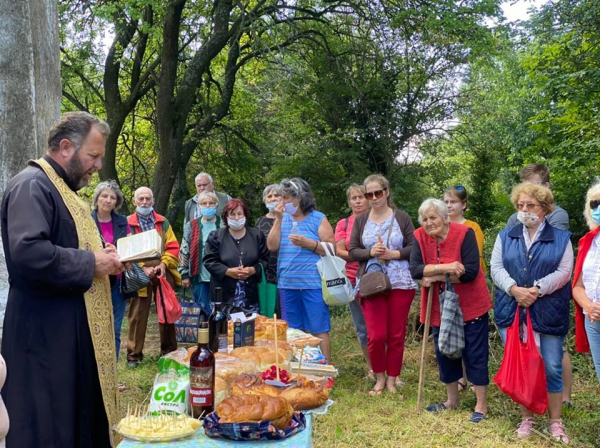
<point x="30" y="90"/>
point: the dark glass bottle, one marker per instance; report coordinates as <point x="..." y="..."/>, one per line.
<point x="202" y="376"/>
<point x="217" y="324"/>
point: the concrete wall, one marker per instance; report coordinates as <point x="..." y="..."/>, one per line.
<point x="30" y="90"/>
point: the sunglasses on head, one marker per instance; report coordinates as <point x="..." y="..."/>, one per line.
<point x="377" y="194"/>
<point x="459" y="187"/>
<point x="594" y="204"/>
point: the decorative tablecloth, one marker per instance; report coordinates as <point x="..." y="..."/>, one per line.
<point x="199" y="439"/>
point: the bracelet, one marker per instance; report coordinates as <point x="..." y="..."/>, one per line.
<point x="316" y="246"/>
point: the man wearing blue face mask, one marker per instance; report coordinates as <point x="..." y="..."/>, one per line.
<point x="195" y="233"/>
<point x="537" y="173"/>
<point x="144" y="219"/>
<point x="193" y="209"/>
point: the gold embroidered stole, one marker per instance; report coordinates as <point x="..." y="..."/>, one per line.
<point x="98" y="302"/>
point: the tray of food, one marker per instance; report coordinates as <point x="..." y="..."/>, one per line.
<point x="157" y="428"/>
<point x="254" y="417"/>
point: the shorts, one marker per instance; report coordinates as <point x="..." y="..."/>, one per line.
<point x="306" y="310"/>
<point x="475" y="355"/>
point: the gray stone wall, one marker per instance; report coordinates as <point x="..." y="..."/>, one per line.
<point x="30" y="90"/>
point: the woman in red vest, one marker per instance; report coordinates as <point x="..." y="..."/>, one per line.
<point x="442" y="247"/>
<point x="586" y="282"/>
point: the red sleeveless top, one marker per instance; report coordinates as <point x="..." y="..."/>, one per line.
<point x="473" y="297"/>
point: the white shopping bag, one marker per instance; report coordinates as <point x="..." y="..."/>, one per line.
<point x="337" y="289"/>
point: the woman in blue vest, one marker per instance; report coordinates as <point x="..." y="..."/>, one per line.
<point x="297" y="235"/>
<point x="531" y="267"/>
<point x="195" y="233"/>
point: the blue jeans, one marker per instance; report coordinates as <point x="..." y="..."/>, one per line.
<point x="119" y="304"/>
<point x="551" y="349"/>
<point x="201" y="295"/>
<point x="358" y="319"/>
<point x="593" y="334"/>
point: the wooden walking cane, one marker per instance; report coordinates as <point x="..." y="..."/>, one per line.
<point x="424" y="349"/>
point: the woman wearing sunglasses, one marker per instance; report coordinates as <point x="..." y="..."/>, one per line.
<point x="531" y="268"/>
<point x="586" y="281"/>
<point x="385" y="236"/>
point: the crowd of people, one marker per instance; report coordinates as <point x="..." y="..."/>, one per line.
<point x="65" y="278"/>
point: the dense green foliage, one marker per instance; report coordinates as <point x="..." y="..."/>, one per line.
<point x="431" y="94"/>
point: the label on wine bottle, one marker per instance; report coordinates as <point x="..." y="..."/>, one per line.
<point x="223" y="343"/>
<point x="201" y="386"/>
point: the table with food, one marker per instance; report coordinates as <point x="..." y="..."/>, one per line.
<point x="249" y="380"/>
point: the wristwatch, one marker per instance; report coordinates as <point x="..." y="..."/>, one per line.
<point x="539" y="288"/>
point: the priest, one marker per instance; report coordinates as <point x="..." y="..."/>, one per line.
<point x="58" y="339"/>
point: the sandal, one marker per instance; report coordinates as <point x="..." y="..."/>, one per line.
<point x="375" y="391"/>
<point x="461" y="386"/>
<point x="477" y="417"/>
<point x="370" y="376"/>
<point x="436" y="407"/>
<point x="121" y="387"/>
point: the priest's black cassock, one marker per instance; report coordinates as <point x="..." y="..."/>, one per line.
<point x="52" y="391"/>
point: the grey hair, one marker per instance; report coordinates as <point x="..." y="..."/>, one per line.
<point x="299" y="188"/>
<point x="438" y="205"/>
<point x="201" y="175"/>
<point x="208" y="194"/>
<point x="592" y="193"/>
<point x="75" y="127"/>
<point x="108" y="185"/>
<point x="269" y="188"/>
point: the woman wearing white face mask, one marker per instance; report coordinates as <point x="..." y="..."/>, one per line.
<point x="232" y="255"/>
<point x="271" y="198"/>
<point x="297" y="232"/>
<point x="531" y="267"/>
<point x="195" y="234"/>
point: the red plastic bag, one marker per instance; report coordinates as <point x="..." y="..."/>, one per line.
<point x="522" y="375"/>
<point x="168" y="307"/>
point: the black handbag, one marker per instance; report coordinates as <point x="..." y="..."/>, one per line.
<point x="134" y="279"/>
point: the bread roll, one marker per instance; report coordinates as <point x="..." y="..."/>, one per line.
<point x="254" y="409"/>
<point x="221" y="390"/>
<point x="304" y="395"/>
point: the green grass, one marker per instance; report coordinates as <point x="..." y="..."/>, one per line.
<point x="357" y="420"/>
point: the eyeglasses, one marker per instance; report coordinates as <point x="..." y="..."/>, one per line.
<point x="207" y="204"/>
<point x="594" y="204"/>
<point x="527" y="205"/>
<point x="378" y="194"/>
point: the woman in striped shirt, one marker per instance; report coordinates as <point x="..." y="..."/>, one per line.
<point x="297" y="232"/>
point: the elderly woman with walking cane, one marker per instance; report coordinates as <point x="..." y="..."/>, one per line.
<point x="445" y="254"/>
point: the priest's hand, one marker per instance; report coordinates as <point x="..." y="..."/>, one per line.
<point x="107" y="264"/>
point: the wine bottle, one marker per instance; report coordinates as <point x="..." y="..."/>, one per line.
<point x="217" y="324"/>
<point x="202" y="376"/>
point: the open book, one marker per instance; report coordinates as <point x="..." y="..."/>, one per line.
<point x="143" y="246"/>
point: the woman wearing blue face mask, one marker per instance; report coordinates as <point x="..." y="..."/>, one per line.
<point x="586" y="281"/>
<point x="271" y="198"/>
<point x="233" y="255"/>
<point x="195" y="233"/>
<point x="531" y="268"/>
<point x="297" y="275"/>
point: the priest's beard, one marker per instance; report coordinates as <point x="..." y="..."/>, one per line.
<point x="75" y="173"/>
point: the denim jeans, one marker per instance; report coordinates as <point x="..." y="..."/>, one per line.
<point x="201" y="295"/>
<point x="119" y="304"/>
<point x="551" y="349"/>
<point x="593" y="334"/>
